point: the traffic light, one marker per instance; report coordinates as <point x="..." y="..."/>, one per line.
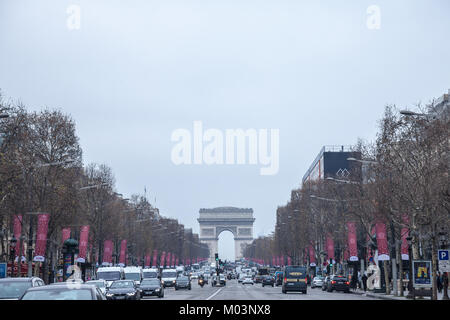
<point x="217" y="257"/>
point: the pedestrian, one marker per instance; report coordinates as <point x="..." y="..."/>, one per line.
<point x="439" y="282"/>
<point x="364" y="281"/>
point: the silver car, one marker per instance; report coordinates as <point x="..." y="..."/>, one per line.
<point x="101" y="284"/>
<point x="317" y="282"/>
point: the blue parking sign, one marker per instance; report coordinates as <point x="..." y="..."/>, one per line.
<point x="3" y="267"/>
<point x="443" y="255"/>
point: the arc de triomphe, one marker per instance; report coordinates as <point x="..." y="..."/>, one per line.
<point x="238" y="221"/>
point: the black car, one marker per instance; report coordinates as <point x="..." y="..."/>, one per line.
<point x="123" y="290"/>
<point x="152" y="287"/>
<point x="338" y="283"/>
<point x="14" y="288"/>
<point x="268" y="281"/>
<point x="183" y="282"/>
<point x="295" y="279"/>
<point x="64" y="291"/>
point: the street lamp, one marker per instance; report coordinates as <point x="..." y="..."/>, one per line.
<point x="410" y="284"/>
<point x="443" y="243"/>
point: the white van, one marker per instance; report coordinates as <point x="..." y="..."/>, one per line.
<point x="150" y="273"/>
<point x="133" y="273"/>
<point x="168" y="277"/>
<point x="110" y="274"/>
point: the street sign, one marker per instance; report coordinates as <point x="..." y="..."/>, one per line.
<point x="444" y="262"/>
<point x="3" y="268"/>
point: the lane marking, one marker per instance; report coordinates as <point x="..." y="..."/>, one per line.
<point x="211" y="296"/>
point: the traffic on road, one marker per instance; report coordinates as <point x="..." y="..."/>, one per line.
<point x="232" y="281"/>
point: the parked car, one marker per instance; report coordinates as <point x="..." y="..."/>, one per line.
<point x="64" y="291"/>
<point x="325" y="283"/>
<point x="248" y="280"/>
<point x="295" y="279"/>
<point x="14" y="288"/>
<point x="258" y="278"/>
<point x="152" y="287"/>
<point x="338" y="283"/>
<point x="317" y="282"/>
<point x="123" y="290"/>
<point x="183" y="282"/>
<point x="101" y="284"/>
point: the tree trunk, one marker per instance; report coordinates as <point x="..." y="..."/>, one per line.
<point x="400" y="265"/>
<point x="386" y="276"/>
<point x="434" y="262"/>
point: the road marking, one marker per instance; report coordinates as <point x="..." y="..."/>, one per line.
<point x="211" y="296"/>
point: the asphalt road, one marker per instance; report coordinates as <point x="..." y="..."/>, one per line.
<point x="236" y="291"/>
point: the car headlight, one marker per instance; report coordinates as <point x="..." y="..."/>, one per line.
<point x="109" y="294"/>
<point x="130" y="294"/>
<point x="174" y="281"/>
<point x="157" y="289"/>
<point x="162" y="281"/>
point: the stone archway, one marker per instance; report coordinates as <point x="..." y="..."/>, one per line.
<point x="238" y="221"/>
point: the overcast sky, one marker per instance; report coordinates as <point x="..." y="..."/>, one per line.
<point x="135" y="71"/>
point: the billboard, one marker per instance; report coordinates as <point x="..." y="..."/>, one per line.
<point x="332" y="162"/>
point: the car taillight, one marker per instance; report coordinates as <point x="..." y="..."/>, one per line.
<point x="285" y="279"/>
<point x="333" y="282"/>
<point x="347" y="282"/>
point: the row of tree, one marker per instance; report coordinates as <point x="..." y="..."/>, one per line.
<point x="402" y="181"/>
<point x="41" y="170"/>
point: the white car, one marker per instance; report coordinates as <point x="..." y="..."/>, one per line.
<point x="101" y="284"/>
<point x="248" y="280"/>
<point x="317" y="282"/>
<point x="194" y="275"/>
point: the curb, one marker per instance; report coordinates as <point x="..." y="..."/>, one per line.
<point x="371" y="295"/>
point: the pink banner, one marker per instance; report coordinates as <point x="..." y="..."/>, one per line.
<point x="404" y="235"/>
<point x="312" y="256"/>
<point x="107" y="251"/>
<point x="17" y="233"/>
<point x="155" y="257"/>
<point x="176" y="261"/>
<point x="41" y="237"/>
<point x="65" y="234"/>
<point x="330" y="247"/>
<point x="273" y="261"/>
<point x="289" y="261"/>
<point x="162" y="260"/>
<point x="123" y="251"/>
<point x="383" y="251"/>
<point x="188" y="261"/>
<point x="147" y="261"/>
<point x="173" y="260"/>
<point x="84" y="237"/>
<point x="352" y="247"/>
<point x="168" y="259"/>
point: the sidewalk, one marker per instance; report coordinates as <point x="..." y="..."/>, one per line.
<point x="390" y="296"/>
